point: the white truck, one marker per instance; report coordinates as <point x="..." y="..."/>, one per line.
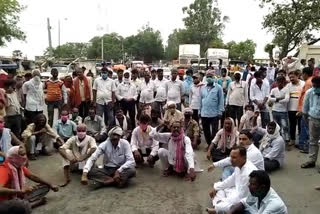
<point x="310" y="51"/>
<point x="189" y="54"/>
<point x="214" y="54"/>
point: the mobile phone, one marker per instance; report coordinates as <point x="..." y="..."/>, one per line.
<point x="2" y="159"/>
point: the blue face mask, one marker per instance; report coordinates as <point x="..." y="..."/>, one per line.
<point x="189" y="78"/>
<point x="317" y="91"/>
<point x="210" y="80"/>
<point x="104" y="76"/>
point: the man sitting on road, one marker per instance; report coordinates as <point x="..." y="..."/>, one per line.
<point x="235" y="188"/>
<point x="179" y="156"/>
<point x="13" y="184"/>
<point x="124" y="122"/>
<point x="118" y="161"/>
<point x="253" y="155"/>
<point x="76" y="151"/>
<point x="95" y="126"/>
<point x="263" y="199"/>
<point x="142" y="144"/>
<point x="40" y="136"/>
<point x="64" y="127"/>
<point x="75" y="116"/>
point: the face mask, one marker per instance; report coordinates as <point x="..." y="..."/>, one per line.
<point x="104" y="76"/>
<point x="81" y="135"/>
<point x="1" y="126"/>
<point x="143" y="127"/>
<point x="317" y="91"/>
<point x="189" y="78"/>
<point x="126" y="80"/>
<point x="37" y="78"/>
<point x="64" y="118"/>
<point x="17" y="161"/>
<point x="210" y="80"/>
<point x="250" y="113"/>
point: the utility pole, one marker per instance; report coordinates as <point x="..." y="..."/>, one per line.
<point x="49" y="34"/>
<point x="102" y="48"/>
<point x="59" y="32"/>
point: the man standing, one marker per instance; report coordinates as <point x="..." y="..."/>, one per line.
<point x="34" y="96"/>
<point x="295" y="87"/>
<point x="174" y="89"/>
<point x="120" y="77"/>
<point x="194" y="97"/>
<point x="237" y="97"/>
<point x="259" y="95"/>
<point x="127" y="94"/>
<point x="311" y="113"/>
<point x="211" y="108"/>
<point x="56" y="94"/>
<point x="118" y="162"/>
<point x="304" y="132"/>
<point x="147" y="89"/>
<point x="231" y="191"/>
<point x="82" y="90"/>
<point x="161" y="96"/>
<point x="104" y="97"/>
<point x="187" y="83"/>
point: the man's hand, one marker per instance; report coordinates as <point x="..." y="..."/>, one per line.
<point x="137" y="155"/>
<point x="299" y="114"/>
<point x="150" y="159"/>
<point x="84" y="178"/>
<point x="211" y="168"/>
<point x="74" y="160"/>
<point x="116" y="177"/>
<point x="256" y="114"/>
<point x="60" y="142"/>
<point x="209" y="155"/>
<point x="192" y="175"/>
<point x="212" y="193"/>
<point x="54" y="188"/>
<point x="26" y="190"/>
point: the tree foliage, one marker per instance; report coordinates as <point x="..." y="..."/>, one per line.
<point x="269" y="50"/>
<point x="244" y="50"/>
<point x="292" y="22"/>
<point x="71" y="50"/>
<point x="9" y="18"/>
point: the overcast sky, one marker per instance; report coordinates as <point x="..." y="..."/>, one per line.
<point x="81" y="19"/>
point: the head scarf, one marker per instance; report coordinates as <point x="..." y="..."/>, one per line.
<point x="115" y="130"/>
<point x="268" y="138"/>
<point x="169" y="103"/>
<point x="187" y="110"/>
<point x="224" y="142"/>
<point x="16" y="164"/>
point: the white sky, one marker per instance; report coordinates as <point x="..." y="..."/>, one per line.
<point x="80" y="20"/>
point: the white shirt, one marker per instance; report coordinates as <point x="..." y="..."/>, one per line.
<point x="240" y="180"/>
<point x="271" y="204"/>
<point x="259" y="94"/>
<point x="174" y="91"/>
<point x="137" y="83"/>
<point x="172" y="147"/>
<point x="121" y="156"/>
<point x="104" y="90"/>
<point x="294" y="91"/>
<point x="195" y="98"/>
<point x="237" y="94"/>
<point x="126" y="90"/>
<point x="161" y="95"/>
<point x="253" y="155"/>
<point x="270" y="73"/>
<point x="147" y="92"/>
<point x="282" y="105"/>
<point x="140" y="142"/>
<point x="34" y="96"/>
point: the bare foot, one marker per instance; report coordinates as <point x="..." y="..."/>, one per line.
<point x="211" y="210"/>
<point x="108" y="181"/>
<point x="317" y="188"/>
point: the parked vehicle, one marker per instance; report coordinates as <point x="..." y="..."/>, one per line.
<point x="189" y="54"/>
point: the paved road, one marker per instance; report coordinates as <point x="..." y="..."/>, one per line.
<point x="151" y="193"/>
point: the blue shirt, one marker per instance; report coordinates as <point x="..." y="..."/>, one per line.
<point x="65" y="130"/>
<point x="212" y="101"/>
<point x="311" y="104"/>
<point x="187" y="83"/>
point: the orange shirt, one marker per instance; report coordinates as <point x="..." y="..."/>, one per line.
<point x="54" y="90"/>
<point x="6" y="176"/>
<point x="306" y="87"/>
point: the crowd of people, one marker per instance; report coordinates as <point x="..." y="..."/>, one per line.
<point x="248" y="121"/>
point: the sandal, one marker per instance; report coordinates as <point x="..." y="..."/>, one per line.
<point x="308" y="164"/>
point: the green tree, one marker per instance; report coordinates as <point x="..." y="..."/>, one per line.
<point x="174" y="40"/>
<point x="244" y="50"/>
<point x="292" y="23"/>
<point x="269" y="50"/>
<point x="112" y="47"/>
<point x="203" y="23"/>
<point x="9" y="18"/>
<point x="71" y="50"/>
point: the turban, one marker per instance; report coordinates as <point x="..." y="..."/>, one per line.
<point x="115" y="130"/>
<point x="187" y="110"/>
